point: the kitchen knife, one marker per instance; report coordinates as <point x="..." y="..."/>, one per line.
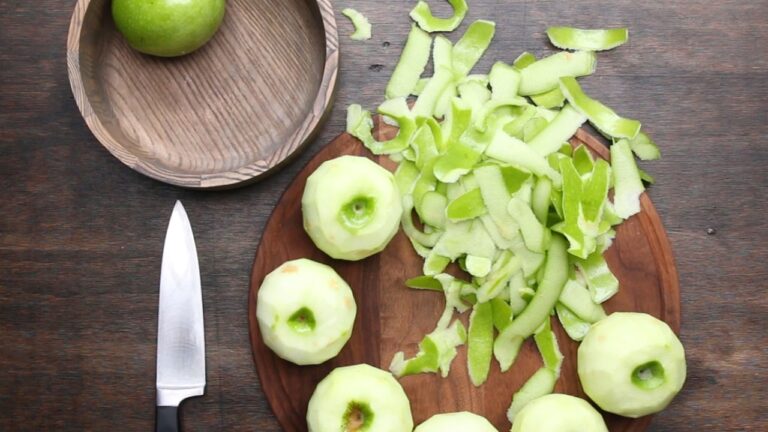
<point x="180" y="332"/>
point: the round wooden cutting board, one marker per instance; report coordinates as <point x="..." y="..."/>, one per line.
<point x="392" y="317"/>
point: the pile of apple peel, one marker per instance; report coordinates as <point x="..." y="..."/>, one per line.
<point x="486" y="168"/>
<point x="511" y="221"/>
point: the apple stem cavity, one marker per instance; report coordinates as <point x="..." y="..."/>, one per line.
<point x="302" y="321"/>
<point x="357" y="213"/>
<point x="358" y="417"/>
<point x="648" y="376"/>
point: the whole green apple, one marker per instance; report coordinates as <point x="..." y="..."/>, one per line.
<point x="168" y="28"/>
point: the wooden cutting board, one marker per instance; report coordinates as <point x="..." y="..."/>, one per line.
<point x="393" y="318"/>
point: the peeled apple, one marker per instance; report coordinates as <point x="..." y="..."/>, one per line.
<point x="351" y="207"/>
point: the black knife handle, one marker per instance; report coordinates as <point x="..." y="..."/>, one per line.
<point x="167" y="419"/>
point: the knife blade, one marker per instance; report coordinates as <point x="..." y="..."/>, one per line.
<point x="180" y="333"/>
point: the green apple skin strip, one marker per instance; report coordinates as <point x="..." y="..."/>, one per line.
<point x="560" y="130"/>
<point x="587" y="39"/>
<point x="461" y="154"/>
<point x="533" y="128"/>
<point x="478" y="266"/>
<point x="581" y="245"/>
<point x="436" y="352"/>
<point x="583" y="160"/>
<point x="626" y="180"/>
<point x="514" y="178"/>
<point x="472" y="46"/>
<point x="540" y="200"/>
<point x="420" y="85"/>
<point x="422" y="15"/>
<point x="543" y="75"/>
<point x="495" y="195"/>
<point x="646" y="177"/>
<point x="504" y="267"/>
<point x="422" y="238"/>
<point x="480" y="343"/>
<point x="362" y="26"/>
<point x="593" y="197"/>
<point x="424" y="361"/>
<point x="475" y="94"/>
<point x="644" y="147"/>
<point x="411" y="65"/>
<point x="426" y="142"/>
<point x="504" y="80"/>
<point x="360" y="124"/>
<point x="432" y="209"/>
<point x="554" y="277"/>
<point x="578" y="300"/>
<point x="442" y="58"/>
<point x="462" y="238"/>
<point x="516" y="126"/>
<point x="546" y="342"/>
<point x="468" y="206"/>
<point x="575" y="327"/>
<point x="551" y="99"/>
<point x="406" y="175"/>
<point x="516" y="287"/>
<point x="600" y="280"/>
<point x="602" y="117"/>
<point x="457" y="121"/>
<point x="447" y="340"/>
<point x="515" y="152"/>
<point x="424" y="283"/>
<point x="396" y="109"/>
<point x="530" y="261"/>
<point x="541" y="383"/>
<point x="427" y="101"/>
<point x="534" y="233"/>
<point x="435" y="264"/>
<point x="459" y="159"/>
<point x="524" y="60"/>
<point x="502" y="313"/>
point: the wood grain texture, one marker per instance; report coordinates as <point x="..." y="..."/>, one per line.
<point x="81" y="234"/>
<point x="219" y="117"/>
<point x="393" y="318"/>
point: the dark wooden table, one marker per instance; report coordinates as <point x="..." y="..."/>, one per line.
<point x="81" y="235"/>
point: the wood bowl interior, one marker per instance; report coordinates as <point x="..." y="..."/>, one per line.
<point x="222" y="115"/>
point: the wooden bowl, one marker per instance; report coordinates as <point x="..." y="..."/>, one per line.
<point x="222" y="116"/>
